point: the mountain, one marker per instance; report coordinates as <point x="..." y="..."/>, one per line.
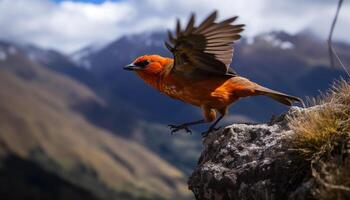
<point x="48" y="149"/>
<point x="93" y="131"/>
<point x="81" y="57"/>
<point x="116" y="115"/>
<point x="24" y="179"/>
<point x="295" y="64"/>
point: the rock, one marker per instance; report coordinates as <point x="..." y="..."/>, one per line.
<point x="245" y="161"/>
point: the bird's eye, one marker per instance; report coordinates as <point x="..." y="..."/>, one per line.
<point x="142" y="63"/>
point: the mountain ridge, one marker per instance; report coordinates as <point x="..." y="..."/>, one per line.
<point x="294" y="64"/>
<point x="39" y="125"/>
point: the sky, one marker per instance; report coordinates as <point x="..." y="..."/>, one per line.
<point x="69" y="25"/>
<point x="85" y="1"/>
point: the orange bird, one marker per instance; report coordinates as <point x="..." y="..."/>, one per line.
<point x="200" y="73"/>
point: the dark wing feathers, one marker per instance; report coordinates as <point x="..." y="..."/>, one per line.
<point x="178" y="28"/>
<point x="207" y="23"/>
<point x="190" y="25"/>
<point x="208" y="46"/>
<point x="171" y="37"/>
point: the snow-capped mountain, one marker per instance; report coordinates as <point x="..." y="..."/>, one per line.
<point x="295" y="64"/>
<point x="81" y="57"/>
<point x="32" y="52"/>
<point x="125" y="48"/>
<point x="7" y="50"/>
<point x="276" y="59"/>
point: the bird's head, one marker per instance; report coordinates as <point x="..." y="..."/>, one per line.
<point x="148" y="64"/>
<point x="149" y="67"/>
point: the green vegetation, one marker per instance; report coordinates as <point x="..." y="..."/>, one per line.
<point x="322" y="138"/>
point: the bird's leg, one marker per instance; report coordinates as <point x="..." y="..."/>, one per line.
<point x="175" y="128"/>
<point x="212" y="127"/>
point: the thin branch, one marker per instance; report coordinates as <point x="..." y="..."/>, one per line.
<point x="339" y="60"/>
<point x="331" y="33"/>
<point x="331" y="49"/>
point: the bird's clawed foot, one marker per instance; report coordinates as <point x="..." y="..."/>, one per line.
<point x="205" y="133"/>
<point x="176" y="128"/>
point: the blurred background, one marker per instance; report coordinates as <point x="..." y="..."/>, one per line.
<point x="74" y="125"/>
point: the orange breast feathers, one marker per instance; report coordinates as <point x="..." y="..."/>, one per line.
<point x="216" y="92"/>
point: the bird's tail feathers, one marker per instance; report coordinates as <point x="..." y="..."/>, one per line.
<point x="280" y="97"/>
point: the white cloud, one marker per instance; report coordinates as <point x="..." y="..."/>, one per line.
<point x="68" y="26"/>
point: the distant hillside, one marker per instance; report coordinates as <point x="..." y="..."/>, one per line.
<point x="42" y="132"/>
<point x="24" y="179"/>
<point x="119" y="116"/>
<point x="278" y="60"/>
<point x="295" y="64"/>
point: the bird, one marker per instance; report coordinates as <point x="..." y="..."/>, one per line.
<point x="199" y="72"/>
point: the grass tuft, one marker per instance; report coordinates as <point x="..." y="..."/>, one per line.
<point x="322" y="138"/>
<point x="317" y="129"/>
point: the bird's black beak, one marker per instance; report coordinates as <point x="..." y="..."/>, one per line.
<point x="131" y="67"/>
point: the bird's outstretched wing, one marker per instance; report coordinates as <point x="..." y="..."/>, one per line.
<point x="207" y="47"/>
